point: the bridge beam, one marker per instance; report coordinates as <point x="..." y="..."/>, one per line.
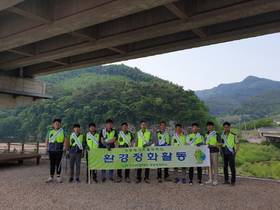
<point x="4" y="4"/>
<point x="15" y="91"/>
<point x="97" y="14"/>
<point x="194" y="23"/>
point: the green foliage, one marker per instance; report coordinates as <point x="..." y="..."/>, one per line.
<point x="257" y="153"/>
<point x="243" y="141"/>
<point x="98" y="93"/>
<point x="265" y="170"/>
<point x="260" y="123"/>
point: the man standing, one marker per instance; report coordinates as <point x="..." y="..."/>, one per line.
<point x="125" y="139"/>
<point x="195" y="139"/>
<point x="214" y="141"/>
<point x="162" y="139"/>
<point x="108" y="139"/>
<point x="229" y="149"/>
<point x="55" y="144"/>
<point x="179" y="139"/>
<point x="76" y="152"/>
<point x="92" y="141"/>
<point x="143" y="140"/>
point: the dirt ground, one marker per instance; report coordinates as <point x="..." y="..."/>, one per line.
<point x="23" y="187"/>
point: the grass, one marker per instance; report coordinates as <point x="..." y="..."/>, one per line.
<point x="261" y="160"/>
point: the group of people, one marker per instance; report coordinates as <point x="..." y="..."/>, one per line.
<point x="77" y="144"/>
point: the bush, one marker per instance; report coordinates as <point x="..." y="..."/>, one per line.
<point x="243" y="141"/>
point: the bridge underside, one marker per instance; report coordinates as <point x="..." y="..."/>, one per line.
<point x="49" y="36"/>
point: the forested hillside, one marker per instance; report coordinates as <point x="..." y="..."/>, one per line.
<point x="95" y="94"/>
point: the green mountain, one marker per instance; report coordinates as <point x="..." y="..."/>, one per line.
<point x="223" y="98"/>
<point x="261" y="105"/>
<point x="95" y="94"/>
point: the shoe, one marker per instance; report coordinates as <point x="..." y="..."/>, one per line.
<point x="111" y="179"/>
<point x="226" y="182"/>
<point x="103" y="179"/>
<point x="232" y="184"/>
<point x="176" y="180"/>
<point x="58" y="179"/>
<point x="209" y="182"/>
<point x="127" y="180"/>
<point x="184" y="181"/>
<point x="215" y="182"/>
<point x="159" y="180"/>
<point x="77" y="180"/>
<point x="167" y="179"/>
<point x="49" y="180"/>
<point x="119" y="179"/>
<point x="137" y="181"/>
<point x="200" y="183"/>
<point x="191" y="183"/>
<point x="147" y="181"/>
<point x="71" y="180"/>
<point x="95" y="181"/>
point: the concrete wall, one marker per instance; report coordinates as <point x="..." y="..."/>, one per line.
<point x="24" y="85"/>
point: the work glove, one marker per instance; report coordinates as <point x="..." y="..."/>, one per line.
<point x="83" y="155"/>
<point x="145" y="145"/>
<point x="47" y="152"/>
<point x="199" y="144"/>
<point x="210" y="146"/>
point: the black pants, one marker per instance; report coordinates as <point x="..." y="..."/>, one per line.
<point x="139" y="173"/>
<point x="229" y="159"/>
<point x="159" y="173"/>
<point x="93" y="173"/>
<point x="199" y="173"/>
<point x="55" y="159"/>
<point x="126" y="173"/>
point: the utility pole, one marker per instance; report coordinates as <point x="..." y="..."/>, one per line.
<point x="239" y="124"/>
<point x="244" y="122"/>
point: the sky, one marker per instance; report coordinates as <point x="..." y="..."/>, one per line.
<point x="207" y="67"/>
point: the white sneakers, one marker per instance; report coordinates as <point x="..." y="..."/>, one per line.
<point x="49" y="180"/>
<point x="215" y="182"/>
<point x="209" y="182"/>
<point x="58" y="179"/>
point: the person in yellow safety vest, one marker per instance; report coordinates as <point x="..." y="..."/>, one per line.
<point x="55" y="145"/>
<point x="162" y="138"/>
<point x="91" y="141"/>
<point x="143" y="140"/>
<point x="195" y="139"/>
<point x="108" y="138"/>
<point x="229" y="149"/>
<point x="214" y="141"/>
<point x="179" y="139"/>
<point x="125" y="139"/>
<point x="76" y="151"/>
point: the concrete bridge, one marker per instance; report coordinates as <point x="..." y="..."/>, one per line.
<point x="270" y="134"/>
<point x="50" y="36"/>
